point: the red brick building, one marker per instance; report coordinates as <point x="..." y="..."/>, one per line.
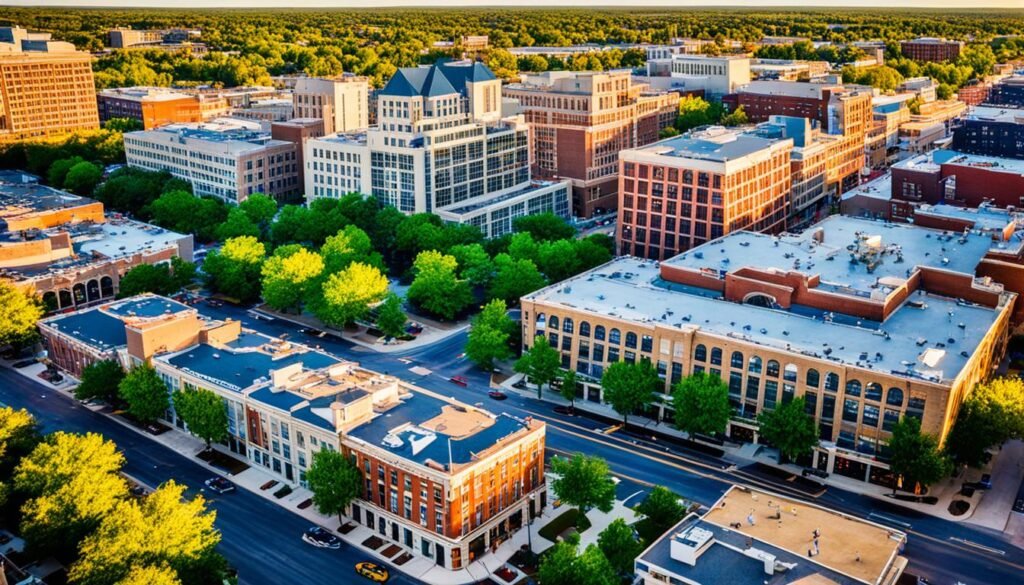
<point x="683" y="191"/>
<point x="957" y="178"/>
<point x="931" y="49"/>
<point x="581" y="120"/>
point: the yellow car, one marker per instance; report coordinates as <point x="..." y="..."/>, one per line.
<point x="373" y="572"/>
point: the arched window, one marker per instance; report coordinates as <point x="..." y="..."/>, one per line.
<point x="754" y="366"/>
<point x="92" y="290"/>
<point x="50" y="301"/>
<point x="813" y="378"/>
<point x="630" y="339"/>
<point x="716" y="356"/>
<point x="832" y="382"/>
<point x="584" y="329"/>
<point x="736" y="360"/>
<point x="894" y="397"/>
<point x="106" y="287"/>
<point x="567" y="325"/>
<point x="873" y="391"/>
<point x="553" y="323"/>
<point x="614" y="336"/>
<point x="853" y="388"/>
<point x="79" y="293"/>
<point x="773" y="368"/>
<point x="700" y="353"/>
<point x="599" y="333"/>
<point x="791" y="373"/>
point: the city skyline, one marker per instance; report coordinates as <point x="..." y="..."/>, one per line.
<point x="200" y="4"/>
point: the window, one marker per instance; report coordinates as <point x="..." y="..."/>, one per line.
<point x="584" y="329"/>
<point x="850" y="410"/>
<point x="894" y="397"/>
<point x="771" y="393"/>
<point x="915" y="407"/>
<point x="736" y="360"/>
<point x="753" y="384"/>
<point x="647" y="343"/>
<point x="813" y="378"/>
<point x="773" y="368"/>
<point x="853" y="388"/>
<point x="614" y="336"/>
<point x="891" y="418"/>
<point x="871" y="413"/>
<point x="700" y="353"/>
<point x="873" y="392"/>
<point x="716" y="356"/>
<point x="599" y="332"/>
<point x="754" y="366"/>
<point x="831" y="382"/>
<point x="631" y="339"/>
<point x="567" y="325"/>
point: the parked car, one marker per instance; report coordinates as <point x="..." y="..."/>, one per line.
<point x="259" y="316"/>
<point x="372" y="571"/>
<point x="497" y="395"/>
<point x="220" y="485"/>
<point x="460" y="380"/>
<point x="985" y="483"/>
<point x="566" y="410"/>
<point x="321" y="538"/>
<point x="215" y="303"/>
<point x="414" y="329"/>
<point x="313" y="332"/>
<point x="24" y="363"/>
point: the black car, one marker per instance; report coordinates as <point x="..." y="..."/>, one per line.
<point x="321" y="538"/>
<point x="568" y="410"/>
<point x="220" y="485"/>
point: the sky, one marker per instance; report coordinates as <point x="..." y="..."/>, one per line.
<point x="494" y="3"/>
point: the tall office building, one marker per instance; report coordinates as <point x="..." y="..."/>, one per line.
<point x="580" y="120"/>
<point x="46" y="87"/>
<point x="683" y="191"/>
<point x="341" y="102"/>
<point x="441" y="145"/>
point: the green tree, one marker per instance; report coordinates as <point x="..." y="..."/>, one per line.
<point x="150" y="575"/>
<point x="19" y="435"/>
<point x="662" y="509"/>
<point x="619" y="546"/>
<point x="204" y="412"/>
<point x="72" y="483"/>
<point x="583" y="482"/>
<point x="522" y="246"/>
<point x="145" y="278"/>
<point x="489" y="335"/>
<point x="701" y="404"/>
<point x="347" y="295"/>
<point x="260" y="209"/>
<point x="629" y="387"/>
<point x="349" y="245"/>
<point x="560" y="565"/>
<point x="19" y="311"/>
<point x="123" y="125"/>
<point x="144" y="393"/>
<point x="695" y="112"/>
<point x="83" y="178"/>
<point x="738" y="117"/>
<point x="544" y="227"/>
<point x="436" y="288"/>
<point x="475" y="265"/>
<point x="59" y="171"/>
<point x="237" y="225"/>
<point x="567" y="388"/>
<point x="334" y="480"/>
<point x="291" y="276"/>
<point x="558" y="260"/>
<point x="181" y="211"/>
<point x="793" y="432"/>
<point x="235" y="268"/>
<point x="915" y="456"/>
<point x="390" y="316"/>
<point x="972" y="434"/>
<point x="514" y="279"/>
<point x="164" y="529"/>
<point x="540" y="363"/>
<point x="100" y="381"/>
<point x="183" y="273"/>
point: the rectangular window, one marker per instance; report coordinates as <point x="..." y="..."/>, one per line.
<point x="851" y="408"/>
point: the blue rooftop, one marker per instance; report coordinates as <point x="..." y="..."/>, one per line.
<point x="280" y="400"/>
<point x="441" y="78"/>
<point x="93" y="327"/>
<point x="237" y="370"/>
<point x="147" y="307"/>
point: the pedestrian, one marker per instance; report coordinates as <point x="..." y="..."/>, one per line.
<point x="750" y="518"/>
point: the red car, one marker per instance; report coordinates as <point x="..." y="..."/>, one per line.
<point x="497" y="395"/>
<point x="460" y="380"/>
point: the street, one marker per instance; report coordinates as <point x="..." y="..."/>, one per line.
<point x="944" y="552"/>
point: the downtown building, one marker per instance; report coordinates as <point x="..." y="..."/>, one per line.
<point x="341" y="102"/>
<point x="931" y="49"/>
<point x="441" y="145"/>
<point x="152" y="106"/>
<point x="66" y="249"/>
<point x="443" y="480"/>
<point x="996" y="131"/>
<point x="1008" y="92"/>
<point x="46" y="87"/>
<point x="868" y="321"/>
<point x="230" y="159"/>
<point x="686" y="190"/>
<point x="716" y="76"/>
<point x="581" y="120"/>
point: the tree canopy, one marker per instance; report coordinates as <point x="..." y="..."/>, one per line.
<point x="436" y="288"/>
<point x="583" y="482"/>
<point x="144" y="393"/>
<point x="629" y="387"/>
<point x="701" y="404"/>
<point x="19" y="311"/>
<point x="348" y="294"/>
<point x="334" y="480"/>
<point x="489" y="335"/>
<point x="100" y="380"/>
<point x="235" y="268"/>
<point x="793" y="432"/>
<point x="915" y="456"/>
<point x="540" y="363"/>
<point x="204" y="412"/>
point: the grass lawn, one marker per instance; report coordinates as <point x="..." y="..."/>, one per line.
<point x="566" y="520"/>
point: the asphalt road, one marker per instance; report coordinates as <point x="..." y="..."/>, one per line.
<point x="259" y="538"/>
<point x="944" y="552"/>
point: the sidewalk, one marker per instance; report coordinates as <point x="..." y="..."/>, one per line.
<point x="992" y="515"/>
<point x="252" y="478"/>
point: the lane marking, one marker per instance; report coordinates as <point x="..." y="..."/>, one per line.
<point x="889" y="520"/>
<point x="978" y="546"/>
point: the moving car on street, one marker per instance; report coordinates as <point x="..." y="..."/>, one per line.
<point x="321" y="538"/>
<point x="220" y="485"/>
<point x="372" y="571"/>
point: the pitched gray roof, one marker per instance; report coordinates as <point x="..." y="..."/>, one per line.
<point x="441" y="78"/>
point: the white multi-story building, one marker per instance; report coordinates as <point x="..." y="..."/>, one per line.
<point x="717" y="76"/>
<point x="341" y="102"/>
<point x="442" y="145"/>
<point x="229" y="159"/>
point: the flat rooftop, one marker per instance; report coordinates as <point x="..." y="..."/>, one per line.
<point x="103" y="327"/>
<point x="423" y="427"/>
<point x="798" y="89"/>
<point x="843" y="539"/>
<point x="713" y="144"/>
<point x="994" y="113"/>
<point x="993" y="163"/>
<point x="880" y="188"/>
<point x="928" y="337"/>
<point x="19" y="198"/>
<point x="489" y="201"/>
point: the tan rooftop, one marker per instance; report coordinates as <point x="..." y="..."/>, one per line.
<point x="458" y="421"/>
<point x="854" y="547"/>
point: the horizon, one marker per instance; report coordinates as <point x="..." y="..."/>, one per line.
<point x="492" y="4"/>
